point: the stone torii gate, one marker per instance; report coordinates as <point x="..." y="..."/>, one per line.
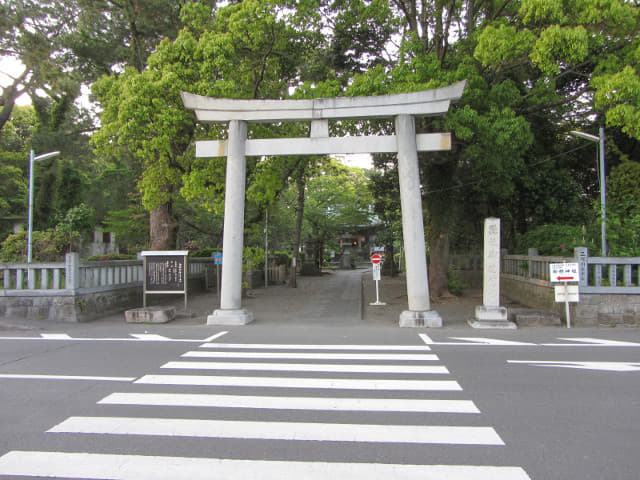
<point x="402" y="107"/>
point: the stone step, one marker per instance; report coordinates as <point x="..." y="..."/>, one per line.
<point x="528" y="317"/>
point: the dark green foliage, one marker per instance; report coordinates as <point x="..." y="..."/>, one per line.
<point x="111" y="257"/>
<point x="49" y="246"/>
<point x="554" y="239"/>
<point x="455" y="286"/>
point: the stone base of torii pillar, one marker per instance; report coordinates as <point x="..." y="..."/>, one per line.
<point x="429" y="319"/>
<point x="491" y="314"/>
<point x="230" y="317"/>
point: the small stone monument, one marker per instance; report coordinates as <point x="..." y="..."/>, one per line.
<point x="150" y="315"/>
<point x="491" y="314"/>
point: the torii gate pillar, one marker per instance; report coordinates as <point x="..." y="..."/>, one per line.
<point x="419" y="313"/>
<point x="231" y="311"/>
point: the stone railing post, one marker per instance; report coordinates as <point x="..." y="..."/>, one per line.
<point x="532" y="252"/>
<point x="582" y="257"/>
<point x="72" y="271"/>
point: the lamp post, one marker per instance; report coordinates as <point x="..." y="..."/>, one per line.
<point x="32" y="160"/>
<point x="603" y="191"/>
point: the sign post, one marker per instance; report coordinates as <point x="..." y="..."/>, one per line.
<point x="376" y="262"/>
<point x="165" y="272"/>
<point x="566" y="272"/>
<point x="217" y="259"/>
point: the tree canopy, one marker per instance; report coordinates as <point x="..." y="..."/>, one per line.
<point x="535" y="70"/>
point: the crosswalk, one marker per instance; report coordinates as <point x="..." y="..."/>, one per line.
<point x="391" y="398"/>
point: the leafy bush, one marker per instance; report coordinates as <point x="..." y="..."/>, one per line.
<point x="49" y="246"/>
<point x="553" y="239"/>
<point x="454" y="284"/>
<point x="111" y="256"/>
<point x="203" y="252"/>
<point x="253" y="258"/>
<point x="280" y="258"/>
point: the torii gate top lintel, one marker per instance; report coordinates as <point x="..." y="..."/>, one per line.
<point x="423" y="103"/>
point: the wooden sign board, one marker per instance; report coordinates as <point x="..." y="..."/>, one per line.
<point x="165" y="272"/>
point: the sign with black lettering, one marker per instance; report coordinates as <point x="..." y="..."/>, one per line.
<point x="165" y="271"/>
<point x="564" y="272"/>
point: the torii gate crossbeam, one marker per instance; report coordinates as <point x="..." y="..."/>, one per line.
<point x="402" y="107"/>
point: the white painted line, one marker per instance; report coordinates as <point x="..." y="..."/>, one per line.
<point x="292" y="403"/>
<point x="158" y="338"/>
<point x="603" y="366"/>
<point x="213" y="337"/>
<point x="136" y="467"/>
<point x="67" y="377"/>
<point x="317" y="432"/>
<point x="304" y="367"/>
<point x="295" y="382"/>
<point x="55" y="336"/>
<point x="317" y="356"/>
<point x="149" y="337"/>
<point x="269" y="346"/>
<point x="595" y="342"/>
<point x="426" y="338"/>
<point x="493" y="341"/>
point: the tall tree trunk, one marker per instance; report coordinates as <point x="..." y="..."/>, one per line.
<point x="438" y="264"/>
<point x="389" y="266"/>
<point x="162" y="228"/>
<point x="296" y="243"/>
<point x="440" y="203"/>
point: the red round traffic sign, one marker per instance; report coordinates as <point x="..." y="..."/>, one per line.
<point x="375" y="259"/>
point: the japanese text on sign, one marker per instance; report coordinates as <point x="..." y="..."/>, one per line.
<point x="564" y="272"/>
<point x="165" y="273"/>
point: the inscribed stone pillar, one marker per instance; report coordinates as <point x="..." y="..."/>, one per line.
<point x="491" y="314"/>
<point x="419" y="313"/>
<point x="231" y="311"/>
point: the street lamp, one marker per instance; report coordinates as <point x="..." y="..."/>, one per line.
<point x="603" y="191"/>
<point x="32" y="159"/>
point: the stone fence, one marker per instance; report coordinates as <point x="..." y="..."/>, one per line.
<point x="609" y="286"/>
<point x="76" y="291"/>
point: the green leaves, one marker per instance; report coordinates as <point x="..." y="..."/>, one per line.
<point x="619" y="94"/>
<point x="503" y="45"/>
<point x="558" y="46"/>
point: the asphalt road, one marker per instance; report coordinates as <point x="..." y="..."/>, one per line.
<point x="317" y="401"/>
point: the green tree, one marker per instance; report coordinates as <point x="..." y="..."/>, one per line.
<point x="529" y="67"/>
<point x="77" y="221"/>
<point x="245" y="50"/>
<point x="623" y="210"/>
<point x="29" y="32"/>
<point x="338" y="200"/>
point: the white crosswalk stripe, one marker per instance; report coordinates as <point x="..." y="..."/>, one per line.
<point x="308" y="367"/>
<point x="275" y="346"/>
<point x="320" y="432"/>
<point x="300" y="382"/>
<point x="138" y="467"/>
<point x="292" y="403"/>
<point x="359" y="392"/>
<point x="420" y="357"/>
